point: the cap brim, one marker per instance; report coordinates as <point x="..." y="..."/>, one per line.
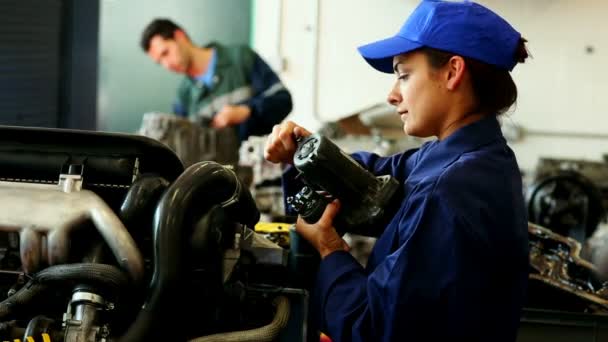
<point x="380" y="54"/>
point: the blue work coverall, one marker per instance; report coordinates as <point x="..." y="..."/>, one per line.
<point x="452" y="262"/>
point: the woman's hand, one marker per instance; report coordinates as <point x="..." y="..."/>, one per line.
<point x="322" y="235"/>
<point x="281" y="144"/>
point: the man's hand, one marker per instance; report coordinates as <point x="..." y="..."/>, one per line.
<point x="281" y="144"/>
<point x="231" y="115"/>
<point x="322" y="235"/>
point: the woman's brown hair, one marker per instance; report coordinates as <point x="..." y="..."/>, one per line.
<point x="493" y="87"/>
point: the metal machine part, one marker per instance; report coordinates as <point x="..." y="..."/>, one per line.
<point x="72" y="180"/>
<point x="264" y="250"/>
<point x="251" y="153"/>
<point x="184" y="202"/>
<point x="62" y="243"/>
<point x="556" y="264"/>
<point x="566" y="202"/>
<point x="45" y="216"/>
<point x="192" y="141"/>
<point x="324" y="167"/>
<point x="595" y="171"/>
<point x="309" y="204"/>
<point x="260" y="247"/>
<point x="266" y="177"/>
<point x="82" y="320"/>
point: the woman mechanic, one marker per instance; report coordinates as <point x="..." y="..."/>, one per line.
<point x="453" y="261"/>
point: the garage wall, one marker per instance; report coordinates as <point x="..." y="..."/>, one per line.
<point x="30" y="59"/>
<point x="561" y="108"/>
<point x="48" y="48"/>
<point x="284" y="33"/>
<point x="130" y="84"/>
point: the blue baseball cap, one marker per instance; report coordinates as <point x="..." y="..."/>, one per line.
<point x="463" y="28"/>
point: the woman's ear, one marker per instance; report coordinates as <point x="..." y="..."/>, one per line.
<point x="456" y="67"/>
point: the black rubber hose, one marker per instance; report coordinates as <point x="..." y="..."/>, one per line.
<point x="200" y="187"/>
<point x="24" y="296"/>
<point x="141" y="199"/>
<point x="107" y="276"/>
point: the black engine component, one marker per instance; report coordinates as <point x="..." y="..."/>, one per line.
<point x="200" y="186"/>
<point x="330" y="173"/>
<point x="566" y="202"/>
<point x="117" y="250"/>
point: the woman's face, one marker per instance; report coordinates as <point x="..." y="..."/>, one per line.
<point x="418" y="95"/>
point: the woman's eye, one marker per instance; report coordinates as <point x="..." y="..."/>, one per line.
<point x="403" y="77"/>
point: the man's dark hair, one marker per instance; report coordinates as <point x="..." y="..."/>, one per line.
<point x="162" y="27"/>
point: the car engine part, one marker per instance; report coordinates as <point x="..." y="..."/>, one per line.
<point x="559" y="278"/>
<point x="330" y="173"/>
<point x="566" y="202"/>
<point x="106" y="237"/>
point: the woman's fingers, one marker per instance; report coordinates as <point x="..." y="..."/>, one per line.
<point x="329" y="214"/>
<point x="301" y="131"/>
<point x="274" y="148"/>
<point x="281" y="144"/>
<point x="287" y="137"/>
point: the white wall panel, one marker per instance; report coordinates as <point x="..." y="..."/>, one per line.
<point x="563" y="88"/>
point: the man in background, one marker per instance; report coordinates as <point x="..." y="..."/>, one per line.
<point x="224" y="86"/>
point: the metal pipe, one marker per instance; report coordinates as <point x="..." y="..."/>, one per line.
<point x="38" y="211"/>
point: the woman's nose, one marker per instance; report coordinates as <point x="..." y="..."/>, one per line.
<point x="394" y="97"/>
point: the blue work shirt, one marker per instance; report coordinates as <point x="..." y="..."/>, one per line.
<point x="452" y="262"/>
<point x="206" y="78"/>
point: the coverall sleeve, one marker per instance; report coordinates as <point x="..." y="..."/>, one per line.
<point x="270" y="103"/>
<point x="398" y="165"/>
<point x="401" y="297"/>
